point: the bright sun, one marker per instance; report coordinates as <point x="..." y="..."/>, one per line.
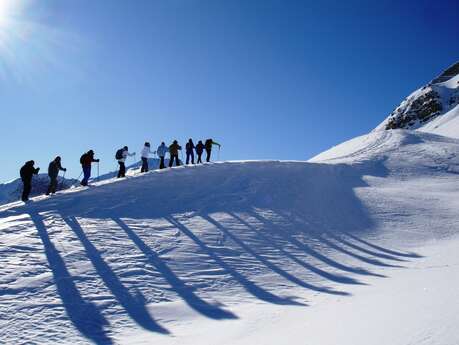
<point x="7" y="8"/>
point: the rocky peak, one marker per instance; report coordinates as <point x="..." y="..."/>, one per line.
<point x="432" y="100"/>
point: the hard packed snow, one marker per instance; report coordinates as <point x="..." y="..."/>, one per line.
<point x="356" y="246"/>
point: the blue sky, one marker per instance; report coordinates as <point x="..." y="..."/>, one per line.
<point x="268" y="79"/>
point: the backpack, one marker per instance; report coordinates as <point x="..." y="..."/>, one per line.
<point x="119" y="154"/>
<point x="82" y="158"/>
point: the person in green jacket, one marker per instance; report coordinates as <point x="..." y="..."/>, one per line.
<point x="208" y="145"/>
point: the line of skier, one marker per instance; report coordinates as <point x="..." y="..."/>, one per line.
<point x="28" y="169"/>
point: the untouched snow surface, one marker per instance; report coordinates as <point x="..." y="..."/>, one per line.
<point x="357" y="246"/>
<point x="447" y="124"/>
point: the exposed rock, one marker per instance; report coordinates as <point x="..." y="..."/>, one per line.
<point x="432" y="100"/>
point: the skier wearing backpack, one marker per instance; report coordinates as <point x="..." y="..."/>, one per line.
<point x="26" y="172"/>
<point x="121" y="156"/>
<point x="189" y="151"/>
<point x="53" y="171"/>
<point x="86" y="161"/>
<point x="199" y="151"/>
<point x="209" y="143"/>
<point x="173" y="151"/>
<point x="161" y="152"/>
<point x="144" y="155"/>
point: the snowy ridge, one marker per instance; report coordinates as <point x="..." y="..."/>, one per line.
<point x="210" y="253"/>
<point x="11" y="191"/>
<point x="410" y="151"/>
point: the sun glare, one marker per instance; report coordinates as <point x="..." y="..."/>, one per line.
<point x="7" y="8"/>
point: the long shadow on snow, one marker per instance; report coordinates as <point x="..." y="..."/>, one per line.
<point x="248" y="285"/>
<point x="134" y="305"/>
<point x="362" y="249"/>
<point x="320" y="272"/>
<point x="84" y="315"/>
<point x="310" y="251"/>
<point x="268" y="263"/>
<point x="315" y="190"/>
<point x="184" y="291"/>
<point x="321" y="236"/>
<point x="382" y="249"/>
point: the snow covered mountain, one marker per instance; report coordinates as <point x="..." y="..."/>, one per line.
<point x="11" y="191"/>
<point x="357" y="246"/>
<point x="430" y="106"/>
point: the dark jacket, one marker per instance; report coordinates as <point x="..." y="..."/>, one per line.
<point x="189" y="147"/>
<point x="27" y="171"/>
<point x="199" y="148"/>
<point x="208" y="144"/>
<point x="54" y="168"/>
<point x="174" y="148"/>
<point x="87" y="159"/>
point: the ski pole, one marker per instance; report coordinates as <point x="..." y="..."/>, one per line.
<point x="97" y="171"/>
<point x="81" y="173"/>
<point x="63" y="179"/>
<point x="219" y="153"/>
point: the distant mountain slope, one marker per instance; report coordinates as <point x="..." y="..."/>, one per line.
<point x="11" y="191"/>
<point x="400" y="149"/>
<point x="430" y="103"/>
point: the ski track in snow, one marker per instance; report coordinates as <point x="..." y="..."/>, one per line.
<point x="149" y="257"/>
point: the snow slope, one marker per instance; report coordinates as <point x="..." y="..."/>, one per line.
<point x="447" y="124"/>
<point x="11" y="191"/>
<point x="319" y="252"/>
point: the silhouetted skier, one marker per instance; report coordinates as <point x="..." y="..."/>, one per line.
<point x="121" y="156"/>
<point x="26" y="172"/>
<point x="144" y="155"/>
<point x="86" y="162"/>
<point x="173" y="151"/>
<point x="199" y="151"/>
<point x="190" y="151"/>
<point x="53" y="171"/>
<point x="209" y="143"/>
<point x="161" y="152"/>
